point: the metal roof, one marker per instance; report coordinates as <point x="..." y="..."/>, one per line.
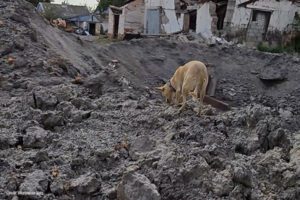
<point x="64" y="11"/>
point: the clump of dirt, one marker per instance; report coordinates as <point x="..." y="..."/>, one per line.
<point x="75" y="125"/>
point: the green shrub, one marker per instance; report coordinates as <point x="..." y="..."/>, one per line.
<point x="104" y="4"/>
<point x="265" y="48"/>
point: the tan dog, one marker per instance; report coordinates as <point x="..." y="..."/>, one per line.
<point x="189" y="79"/>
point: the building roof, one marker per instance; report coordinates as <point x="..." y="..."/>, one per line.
<point x="253" y="1"/>
<point x="87" y="18"/>
<point x="65" y="11"/>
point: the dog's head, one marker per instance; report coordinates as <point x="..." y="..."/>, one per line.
<point x="168" y="92"/>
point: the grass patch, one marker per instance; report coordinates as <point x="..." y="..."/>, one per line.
<point x="103" y="39"/>
<point x="265" y="48"/>
<point x="291" y="48"/>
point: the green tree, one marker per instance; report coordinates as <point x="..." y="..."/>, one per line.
<point x="35" y="2"/>
<point x="104" y="4"/>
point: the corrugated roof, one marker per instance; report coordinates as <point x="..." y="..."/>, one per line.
<point x="65" y="11"/>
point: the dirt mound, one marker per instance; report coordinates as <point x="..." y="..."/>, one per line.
<point x="75" y="126"/>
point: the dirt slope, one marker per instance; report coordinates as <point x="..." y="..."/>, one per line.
<point x="113" y="136"/>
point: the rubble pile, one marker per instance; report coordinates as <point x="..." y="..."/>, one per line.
<point x="74" y="127"/>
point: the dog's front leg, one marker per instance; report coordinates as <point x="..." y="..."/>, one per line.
<point x="178" y="97"/>
<point x="184" y="97"/>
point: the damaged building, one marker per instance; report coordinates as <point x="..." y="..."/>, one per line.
<point x="77" y="16"/>
<point x="151" y="17"/>
<point x="161" y="17"/>
<point x="253" y="21"/>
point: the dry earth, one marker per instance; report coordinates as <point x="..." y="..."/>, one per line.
<point x="75" y="126"/>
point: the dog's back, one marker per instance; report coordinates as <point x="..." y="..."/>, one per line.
<point x="190" y="75"/>
<point x="193" y="80"/>
<point x="189" y="79"/>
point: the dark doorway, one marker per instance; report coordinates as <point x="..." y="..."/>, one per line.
<point x="116" y="25"/>
<point x="193" y="20"/>
<point x="221" y="12"/>
<point x="262" y="19"/>
<point x="92" y="29"/>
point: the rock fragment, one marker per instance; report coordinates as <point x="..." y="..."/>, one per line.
<point x="136" y="186"/>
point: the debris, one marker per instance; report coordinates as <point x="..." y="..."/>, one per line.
<point x="57" y="187"/>
<point x="222" y="183"/>
<point x="1" y="23"/>
<point x="254" y="72"/>
<point x="36" y="181"/>
<point x="35" y="137"/>
<point x="7" y="49"/>
<point x="274" y="70"/>
<point x="55" y="171"/>
<point x="272" y="74"/>
<point x="20" y="18"/>
<point x="20" y="63"/>
<point x="52" y="119"/>
<point x="216" y="103"/>
<point x="11" y="60"/>
<point x="44" y="100"/>
<point x="286" y="114"/>
<point x="78" y="79"/>
<point x="60" y="23"/>
<point x="136" y="186"/>
<point x="69" y="29"/>
<point x="243" y="176"/>
<point x="141" y="145"/>
<point x="113" y="64"/>
<point x="121" y="145"/>
<point x="40" y="156"/>
<point x="86" y="184"/>
<point x="182" y="38"/>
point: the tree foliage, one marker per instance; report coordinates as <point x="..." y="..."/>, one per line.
<point x="104" y="4"/>
<point x="35" y="2"/>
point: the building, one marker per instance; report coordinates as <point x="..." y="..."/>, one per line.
<point x="151" y="17"/>
<point x="78" y="16"/>
<point x="253" y="21"/>
<point x="256" y="21"/>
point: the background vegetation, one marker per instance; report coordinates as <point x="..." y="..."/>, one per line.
<point x="104" y="4"/>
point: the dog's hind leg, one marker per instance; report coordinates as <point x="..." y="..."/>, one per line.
<point x="202" y="94"/>
<point x="195" y="93"/>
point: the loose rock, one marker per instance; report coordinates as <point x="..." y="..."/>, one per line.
<point x="136" y="186"/>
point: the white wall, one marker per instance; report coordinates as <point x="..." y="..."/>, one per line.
<point x="110" y="22"/>
<point x="180" y="20"/>
<point x="134" y="16"/>
<point x="169" y="22"/>
<point x="241" y="15"/>
<point x="172" y="25"/>
<point x="283" y="13"/>
<point x="121" y="24"/>
<point x="204" y="21"/>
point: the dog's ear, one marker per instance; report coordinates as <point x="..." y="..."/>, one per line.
<point x="160" y="88"/>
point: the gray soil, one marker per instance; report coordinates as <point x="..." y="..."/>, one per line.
<point x="110" y="135"/>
